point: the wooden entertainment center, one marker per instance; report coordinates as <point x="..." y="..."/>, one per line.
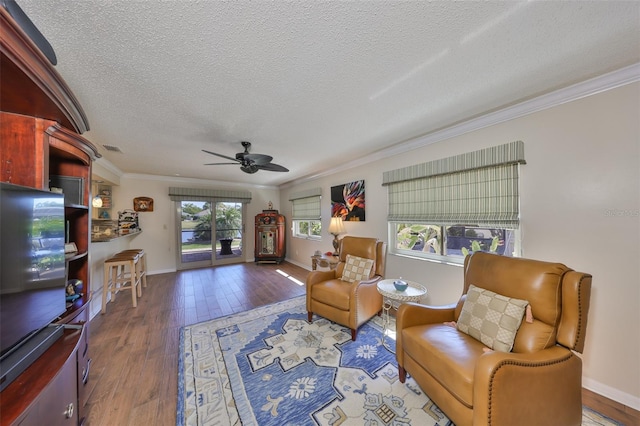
<point x="40" y="145"/>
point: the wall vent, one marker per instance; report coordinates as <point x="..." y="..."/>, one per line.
<point x="112" y="148"/>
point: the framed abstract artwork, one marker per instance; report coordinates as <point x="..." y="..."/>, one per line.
<point x="347" y="201"/>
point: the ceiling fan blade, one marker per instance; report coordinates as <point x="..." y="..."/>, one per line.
<point x="272" y="167"/>
<point x="259" y="159"/>
<point x="220" y="155"/>
<point x="220" y="164"/>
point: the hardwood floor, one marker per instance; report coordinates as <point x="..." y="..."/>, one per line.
<point x="134" y="351"/>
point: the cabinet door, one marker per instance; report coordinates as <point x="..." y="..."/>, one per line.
<point x="84" y="363"/>
<point x="57" y="405"/>
<point x="23" y="151"/>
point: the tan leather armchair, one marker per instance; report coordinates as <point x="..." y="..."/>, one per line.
<point x="538" y="383"/>
<point x="348" y="303"/>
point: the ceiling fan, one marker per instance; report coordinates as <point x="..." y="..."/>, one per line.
<point x="250" y="163"/>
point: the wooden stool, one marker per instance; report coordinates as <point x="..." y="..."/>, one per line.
<point x="117" y="277"/>
<point x="141" y="269"/>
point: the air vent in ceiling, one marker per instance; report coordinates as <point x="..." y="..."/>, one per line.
<point x="112" y="148"/>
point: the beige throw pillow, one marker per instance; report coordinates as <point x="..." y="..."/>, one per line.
<point x="356" y="269"/>
<point x="491" y="318"/>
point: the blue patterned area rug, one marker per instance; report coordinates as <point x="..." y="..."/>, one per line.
<point x="269" y="366"/>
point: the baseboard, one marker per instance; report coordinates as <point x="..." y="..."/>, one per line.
<point x="614" y="394"/>
<point x="161" y="271"/>
<point x="302" y="265"/>
<point x="610" y="408"/>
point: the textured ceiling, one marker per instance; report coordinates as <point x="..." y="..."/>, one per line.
<point x="313" y="84"/>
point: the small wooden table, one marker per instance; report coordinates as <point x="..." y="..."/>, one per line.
<point x="392" y="298"/>
<point x="325" y="261"/>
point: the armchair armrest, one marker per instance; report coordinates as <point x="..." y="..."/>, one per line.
<point x="551" y="377"/>
<point x="314" y="277"/>
<point x="412" y="313"/>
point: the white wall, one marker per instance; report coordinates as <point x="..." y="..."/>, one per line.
<point x="580" y="198"/>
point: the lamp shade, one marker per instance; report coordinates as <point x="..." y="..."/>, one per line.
<point x="336" y="226"/>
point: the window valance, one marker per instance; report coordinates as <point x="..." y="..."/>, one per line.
<point x="208" y="194"/>
<point x="306" y="204"/>
<point x="312" y="192"/>
<point x="510" y="153"/>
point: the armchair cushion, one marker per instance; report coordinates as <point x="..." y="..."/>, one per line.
<point x="491" y="318"/>
<point x="357" y="269"/>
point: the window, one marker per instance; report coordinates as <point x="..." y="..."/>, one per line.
<point x="451" y="243"/>
<point x="447" y="208"/>
<point x="306" y="214"/>
<point x="307" y="228"/>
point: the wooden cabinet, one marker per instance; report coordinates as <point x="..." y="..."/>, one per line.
<point x="83" y="363"/>
<point x="24" y="150"/>
<point x="270" y="232"/>
<point x="47" y="392"/>
<point x="57" y="405"/>
<point x="40" y="126"/>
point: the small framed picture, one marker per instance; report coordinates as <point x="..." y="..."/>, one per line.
<point x="143" y="204"/>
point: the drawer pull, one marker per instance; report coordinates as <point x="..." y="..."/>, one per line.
<point x="85" y="372"/>
<point x="69" y="411"/>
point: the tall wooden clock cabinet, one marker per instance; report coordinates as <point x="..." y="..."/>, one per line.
<point x="270" y="232"/>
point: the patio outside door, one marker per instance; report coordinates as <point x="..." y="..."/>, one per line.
<point x="210" y="233"/>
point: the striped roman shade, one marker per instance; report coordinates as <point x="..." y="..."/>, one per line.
<point x="207" y="194"/>
<point x="306" y="204"/>
<point x="479" y="188"/>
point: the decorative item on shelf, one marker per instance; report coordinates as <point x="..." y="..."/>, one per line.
<point x="400" y="284"/>
<point x="143" y="204"/>
<point x="127" y="221"/>
<point x="73" y="290"/>
<point x="70" y="248"/>
<point x="336" y="227"/>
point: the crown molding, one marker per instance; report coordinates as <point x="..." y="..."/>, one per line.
<point x="178" y="179"/>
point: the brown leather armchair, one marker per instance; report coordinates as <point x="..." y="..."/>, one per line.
<point x="538" y="383"/>
<point x="348" y="303"/>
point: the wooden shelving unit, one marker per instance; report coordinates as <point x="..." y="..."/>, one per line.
<point x="40" y="126"/>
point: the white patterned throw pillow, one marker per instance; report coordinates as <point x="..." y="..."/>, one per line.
<point x="356" y="269"/>
<point x="491" y="318"/>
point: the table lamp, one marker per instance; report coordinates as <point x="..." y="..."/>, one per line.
<point x="336" y="228"/>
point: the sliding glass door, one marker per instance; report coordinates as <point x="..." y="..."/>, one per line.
<point x="210" y="233"/>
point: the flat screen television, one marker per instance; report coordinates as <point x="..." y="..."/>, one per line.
<point x="32" y="265"/>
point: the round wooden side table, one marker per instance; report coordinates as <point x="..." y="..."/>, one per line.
<point x="392" y="298"/>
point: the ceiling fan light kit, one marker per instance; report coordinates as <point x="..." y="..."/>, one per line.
<point x="249" y="163"/>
